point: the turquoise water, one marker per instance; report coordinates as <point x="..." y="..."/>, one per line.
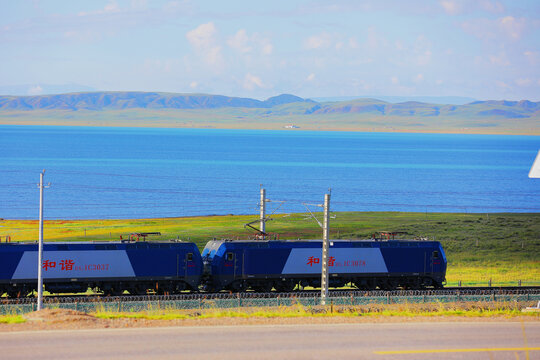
<point x="141" y="172"/>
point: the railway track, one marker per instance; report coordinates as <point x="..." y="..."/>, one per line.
<point x="451" y="291"/>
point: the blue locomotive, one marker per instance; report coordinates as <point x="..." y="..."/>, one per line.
<point x="142" y="267"/>
<point x="112" y="267"/>
<point x="367" y="264"/>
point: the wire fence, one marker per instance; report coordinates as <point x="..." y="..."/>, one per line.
<point x="121" y="304"/>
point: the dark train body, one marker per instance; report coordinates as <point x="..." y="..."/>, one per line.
<point x="171" y="267"/>
<point x="109" y="267"/>
<point x="368" y="264"/>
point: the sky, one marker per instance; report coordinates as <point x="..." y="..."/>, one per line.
<point x="482" y="49"/>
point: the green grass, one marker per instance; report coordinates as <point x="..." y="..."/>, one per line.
<point x="503" y="247"/>
<point x="464" y="120"/>
<point x="481" y="309"/>
<point x="11" y="319"/>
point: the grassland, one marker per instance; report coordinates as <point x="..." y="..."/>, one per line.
<point x="481" y="309"/>
<point x="467" y="122"/>
<point x="281" y="314"/>
<point x="502" y="247"/>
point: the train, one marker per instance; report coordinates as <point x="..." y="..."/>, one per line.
<point x="171" y="267"/>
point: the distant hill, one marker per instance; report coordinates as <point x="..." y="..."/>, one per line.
<point x="141" y="100"/>
<point x="497" y="109"/>
<point x="218" y="111"/>
<point x="453" y="100"/>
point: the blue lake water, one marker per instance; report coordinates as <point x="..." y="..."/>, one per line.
<point x="144" y="173"/>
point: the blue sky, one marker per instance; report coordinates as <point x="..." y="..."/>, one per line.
<point x="484" y="49"/>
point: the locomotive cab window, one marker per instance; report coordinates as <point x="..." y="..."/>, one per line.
<point x="230" y="256"/>
<point x="190" y="257"/>
<point x="435" y="254"/>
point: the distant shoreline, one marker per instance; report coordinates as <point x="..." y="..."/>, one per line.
<point x="273" y="127"/>
<point x="251" y="216"/>
<point x="203" y="111"/>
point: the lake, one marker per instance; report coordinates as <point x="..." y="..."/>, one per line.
<point x="98" y="172"/>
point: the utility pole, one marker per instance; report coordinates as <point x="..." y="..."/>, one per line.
<point x="325" y="250"/>
<point x="40" y="248"/>
<point x="263" y="212"/>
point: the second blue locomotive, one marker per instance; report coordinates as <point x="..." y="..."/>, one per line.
<point x="283" y="265"/>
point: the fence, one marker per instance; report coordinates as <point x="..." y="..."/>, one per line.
<point x="122" y="305"/>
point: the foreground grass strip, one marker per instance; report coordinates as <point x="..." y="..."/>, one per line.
<point x="12" y="319"/>
<point x="482" y="310"/>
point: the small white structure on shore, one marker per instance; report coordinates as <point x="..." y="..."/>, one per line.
<point x="291" y="127"/>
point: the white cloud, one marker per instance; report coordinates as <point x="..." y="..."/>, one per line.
<point x="451" y="7"/>
<point x="267" y="49"/>
<point x="240" y="41"/>
<point x="502" y="84"/>
<point x="203" y="39"/>
<point x="499" y="60"/>
<point x="373" y="39"/>
<point x="111" y="7"/>
<point x="321" y="41"/>
<point x="422" y="50"/>
<point x="424" y="58"/>
<point x="507" y="27"/>
<point x="523" y="82"/>
<point x="244" y="43"/>
<point x="193" y="84"/>
<point x="325" y="40"/>
<point x="532" y="56"/>
<point x="491" y="6"/>
<point x="251" y="82"/>
<point x="511" y="26"/>
<point x="35" y="90"/>
<point x="310" y="77"/>
<point x="139" y="4"/>
<point x="419" y="78"/>
<point x="394" y="80"/>
<point x="202" y="36"/>
<point x="458" y="7"/>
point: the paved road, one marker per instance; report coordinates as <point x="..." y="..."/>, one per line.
<point x="345" y="341"/>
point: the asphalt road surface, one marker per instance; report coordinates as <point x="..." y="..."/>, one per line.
<point x="400" y="341"/>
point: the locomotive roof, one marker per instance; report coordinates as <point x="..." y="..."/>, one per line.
<point x="319" y="240"/>
<point x="216" y="242"/>
<point x="115" y="242"/>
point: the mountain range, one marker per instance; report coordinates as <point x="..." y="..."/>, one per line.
<point x="180" y="110"/>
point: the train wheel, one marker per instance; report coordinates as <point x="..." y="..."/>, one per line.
<point x="415" y="284"/>
<point x="382" y="283"/>
<point x="370" y="284"/>
<point x="113" y="291"/>
<point x="264" y="287"/>
<point x="179" y="287"/>
<point x="427" y="282"/>
<point x="285" y="286"/>
<point x="138" y="289"/>
<point x="13" y="294"/>
<point x="393" y="284"/>
<point x="238" y="286"/>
